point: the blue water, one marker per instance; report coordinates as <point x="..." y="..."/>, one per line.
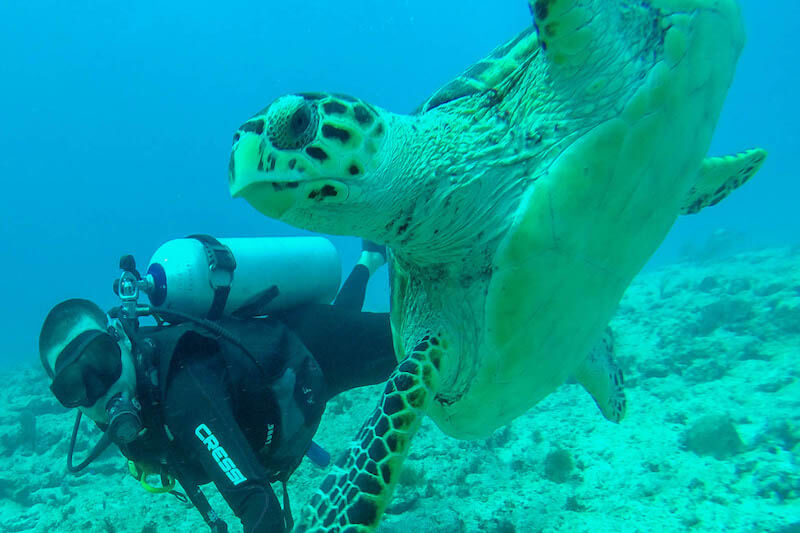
<point x="116" y="120"/>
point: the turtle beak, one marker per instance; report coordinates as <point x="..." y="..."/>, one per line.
<point x="274" y="198"/>
<point x="245" y="180"/>
<point x="243" y="165"/>
<point x="266" y="201"/>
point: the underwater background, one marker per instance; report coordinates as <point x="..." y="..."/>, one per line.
<point x="116" y="121"/>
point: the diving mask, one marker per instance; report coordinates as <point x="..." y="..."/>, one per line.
<point x="86" y="368"/>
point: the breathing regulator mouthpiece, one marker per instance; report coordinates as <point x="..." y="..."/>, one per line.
<point x="123" y="427"/>
<point x="124" y="420"/>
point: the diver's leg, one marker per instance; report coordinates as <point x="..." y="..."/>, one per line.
<point x="353" y="348"/>
<point x="360" y="352"/>
<point x="351" y="295"/>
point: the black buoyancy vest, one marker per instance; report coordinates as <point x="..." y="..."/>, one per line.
<point x="291" y="375"/>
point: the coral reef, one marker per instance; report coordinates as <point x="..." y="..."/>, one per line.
<point x="713" y="435"/>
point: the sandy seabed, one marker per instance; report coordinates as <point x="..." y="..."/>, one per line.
<point x="711" y="355"/>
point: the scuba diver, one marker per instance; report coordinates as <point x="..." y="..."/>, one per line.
<point x="234" y="400"/>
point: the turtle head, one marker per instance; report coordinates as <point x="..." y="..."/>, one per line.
<point x="305" y="152"/>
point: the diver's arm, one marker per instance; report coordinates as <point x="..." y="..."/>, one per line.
<point x="198" y="412"/>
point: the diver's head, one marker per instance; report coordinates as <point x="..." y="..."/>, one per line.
<point x="88" y="361"/>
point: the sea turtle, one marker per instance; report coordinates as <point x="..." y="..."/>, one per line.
<point x="517" y="203"/>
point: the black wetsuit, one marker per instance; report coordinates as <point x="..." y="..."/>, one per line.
<point x="225" y="416"/>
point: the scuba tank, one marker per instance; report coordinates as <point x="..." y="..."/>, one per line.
<point x="242" y="277"/>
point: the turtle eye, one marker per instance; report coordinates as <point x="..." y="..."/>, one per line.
<point x="300" y="121"/>
<point x="294" y="131"/>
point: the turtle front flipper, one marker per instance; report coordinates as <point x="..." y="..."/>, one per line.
<point x="602" y="378"/>
<point x="489" y="73"/>
<point x="355" y="494"/>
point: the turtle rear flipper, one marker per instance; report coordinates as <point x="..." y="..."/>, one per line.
<point x="602" y="378"/>
<point x="719" y="176"/>
<point x="355" y="494"/>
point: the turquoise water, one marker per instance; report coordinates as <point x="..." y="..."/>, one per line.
<point x="117" y="120"/>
